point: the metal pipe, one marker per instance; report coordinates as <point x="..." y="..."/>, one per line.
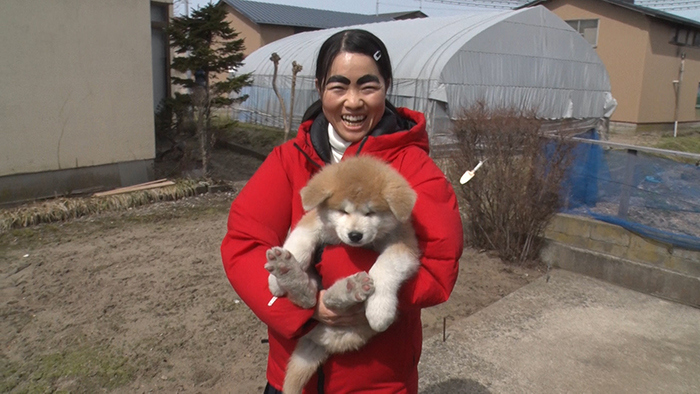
<point x="677" y="85"/>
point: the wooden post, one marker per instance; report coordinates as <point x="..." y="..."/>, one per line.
<point x="275" y="59"/>
<point x="627" y="184"/>
<point x="296" y="68"/>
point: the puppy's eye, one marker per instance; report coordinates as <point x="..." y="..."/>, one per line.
<point x="370" y="213"/>
<point x="343" y="212"/>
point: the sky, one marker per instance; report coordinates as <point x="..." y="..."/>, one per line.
<point x="360" y="6"/>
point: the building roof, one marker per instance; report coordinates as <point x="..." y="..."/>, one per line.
<point x="286" y="15"/>
<point x="634" y="7"/>
<point x="528" y="58"/>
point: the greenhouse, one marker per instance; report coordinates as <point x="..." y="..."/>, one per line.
<point x="527" y="59"/>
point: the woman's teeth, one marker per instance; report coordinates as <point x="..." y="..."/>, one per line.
<point x="353" y="119"/>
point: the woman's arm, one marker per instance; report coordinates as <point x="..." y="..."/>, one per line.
<point x="438" y="227"/>
<point x="259" y="219"/>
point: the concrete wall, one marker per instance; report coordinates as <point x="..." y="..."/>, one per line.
<point x="612" y="253"/>
<point x="641" y="61"/>
<point x="76" y="83"/>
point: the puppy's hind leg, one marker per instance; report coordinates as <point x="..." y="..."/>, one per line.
<point x="305" y="360"/>
<point x="349" y="291"/>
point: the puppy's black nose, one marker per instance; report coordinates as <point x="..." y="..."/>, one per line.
<point x="355" y="236"/>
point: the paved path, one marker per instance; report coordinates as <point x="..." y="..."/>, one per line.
<point x="572" y="334"/>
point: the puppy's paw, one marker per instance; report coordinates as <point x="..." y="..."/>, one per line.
<point x="380" y="312"/>
<point x="278" y="261"/>
<point x="349" y="291"/>
<point x="287" y="278"/>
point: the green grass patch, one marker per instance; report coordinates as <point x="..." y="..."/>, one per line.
<point x="687" y="143"/>
<point x="84" y="369"/>
<point x="257" y="137"/>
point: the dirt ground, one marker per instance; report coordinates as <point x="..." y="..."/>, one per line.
<point x="137" y="301"/>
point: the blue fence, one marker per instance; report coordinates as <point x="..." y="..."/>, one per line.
<point x="651" y="192"/>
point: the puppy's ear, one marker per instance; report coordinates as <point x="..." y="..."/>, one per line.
<point x="314" y="194"/>
<point x="401" y="199"/>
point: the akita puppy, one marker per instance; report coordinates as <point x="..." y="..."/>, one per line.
<point x="364" y="202"/>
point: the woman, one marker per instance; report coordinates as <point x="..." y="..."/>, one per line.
<point x="352" y="117"/>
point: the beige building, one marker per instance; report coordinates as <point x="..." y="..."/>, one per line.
<point x="76" y="103"/>
<point x="262" y="23"/>
<point x="653" y="59"/>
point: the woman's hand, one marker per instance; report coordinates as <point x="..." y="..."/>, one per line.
<point x="351" y="317"/>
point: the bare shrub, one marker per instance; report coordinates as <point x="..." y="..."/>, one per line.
<point x="517" y="190"/>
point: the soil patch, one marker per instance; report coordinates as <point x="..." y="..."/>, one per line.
<point x="137" y="301"/>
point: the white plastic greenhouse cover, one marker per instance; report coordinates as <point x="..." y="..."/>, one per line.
<point x="528" y="59"/>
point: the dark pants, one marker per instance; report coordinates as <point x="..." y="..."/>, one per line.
<point x="271" y="390"/>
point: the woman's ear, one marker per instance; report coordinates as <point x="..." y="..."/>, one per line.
<point x="318" y="87"/>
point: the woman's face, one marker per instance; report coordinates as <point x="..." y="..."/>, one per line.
<point x="353" y="98"/>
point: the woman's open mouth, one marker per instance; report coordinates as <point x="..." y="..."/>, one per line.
<point x="353" y="120"/>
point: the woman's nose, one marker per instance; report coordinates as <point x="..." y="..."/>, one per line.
<point x="354" y="99"/>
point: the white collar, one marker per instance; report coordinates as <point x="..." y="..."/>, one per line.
<point x="338" y="144"/>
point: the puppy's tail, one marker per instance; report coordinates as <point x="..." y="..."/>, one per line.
<point x="305" y="360"/>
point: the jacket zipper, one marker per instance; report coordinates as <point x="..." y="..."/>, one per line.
<point x="362" y="144"/>
<point x="307" y="156"/>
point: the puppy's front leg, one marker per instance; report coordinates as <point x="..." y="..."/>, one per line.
<point x="289" y="265"/>
<point x="394" y="265"/>
<point x="298" y="285"/>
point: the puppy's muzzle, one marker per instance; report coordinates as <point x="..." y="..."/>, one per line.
<point x="355" y="236"/>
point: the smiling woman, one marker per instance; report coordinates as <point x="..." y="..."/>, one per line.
<point x="353" y="97"/>
<point x="353" y="75"/>
<point x="351" y="118"/>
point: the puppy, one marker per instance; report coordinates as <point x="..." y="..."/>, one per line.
<point x="364" y="202"/>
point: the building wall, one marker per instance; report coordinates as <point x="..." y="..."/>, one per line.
<point x="76" y="83"/>
<point x="273" y="33"/>
<point x="641" y="61"/>
<point x="662" y="66"/>
<point x="249" y="31"/>
<point x="255" y="35"/>
<point x="621" y="37"/>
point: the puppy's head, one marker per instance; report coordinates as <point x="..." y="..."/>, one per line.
<point x="362" y="198"/>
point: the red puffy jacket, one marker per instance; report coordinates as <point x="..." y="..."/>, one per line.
<point x="269" y="205"/>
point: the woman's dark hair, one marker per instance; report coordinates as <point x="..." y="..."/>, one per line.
<point x="351" y="41"/>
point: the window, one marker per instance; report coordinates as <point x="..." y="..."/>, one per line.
<point x="684" y="36"/>
<point x="588" y="28"/>
<point x="697" y="99"/>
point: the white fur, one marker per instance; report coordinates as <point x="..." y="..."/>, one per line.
<point x="356" y="223"/>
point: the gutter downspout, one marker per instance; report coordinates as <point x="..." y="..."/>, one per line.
<point x="677" y="87"/>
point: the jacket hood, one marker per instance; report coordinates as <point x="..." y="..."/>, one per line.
<point x="396" y="131"/>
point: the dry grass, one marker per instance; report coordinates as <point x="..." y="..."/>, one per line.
<point x="62" y="209"/>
